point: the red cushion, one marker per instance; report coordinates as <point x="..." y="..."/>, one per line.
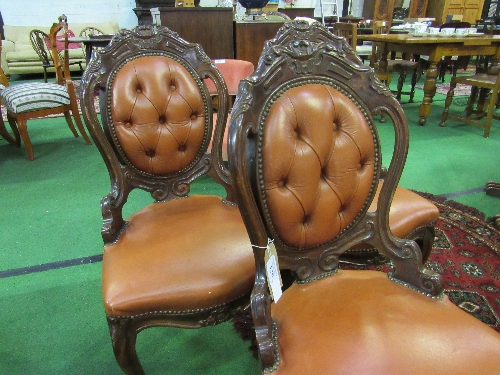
<point x="60" y="44"/>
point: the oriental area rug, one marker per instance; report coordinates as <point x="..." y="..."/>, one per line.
<point x="466" y="252"/>
<point x="443" y="88"/>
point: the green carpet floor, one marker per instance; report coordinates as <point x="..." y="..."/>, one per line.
<point x="52" y="322"/>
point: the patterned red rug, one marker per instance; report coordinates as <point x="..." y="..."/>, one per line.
<point x="466" y="252"/>
<point x="443" y="88"/>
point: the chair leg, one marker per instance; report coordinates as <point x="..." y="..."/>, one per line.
<point x="15" y="130"/>
<point x="67" y="116"/>
<point x="76" y="115"/>
<point x="482" y="103"/>
<point x="3" y="132"/>
<point x="413" y="84"/>
<point x="23" y="131"/>
<point x="489" y="117"/>
<point x="401" y="81"/>
<point x="123" y="338"/>
<point x="447" y="103"/>
<point x="471" y="101"/>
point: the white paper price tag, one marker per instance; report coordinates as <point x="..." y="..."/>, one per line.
<point x="273" y="278"/>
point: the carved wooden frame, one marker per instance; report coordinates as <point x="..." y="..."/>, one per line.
<point x="418" y="8"/>
<point x="307" y="53"/>
<point x="98" y="78"/>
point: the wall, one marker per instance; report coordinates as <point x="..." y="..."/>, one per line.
<point x="45" y="12"/>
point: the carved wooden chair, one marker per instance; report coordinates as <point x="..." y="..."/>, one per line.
<point x="453" y="62"/>
<point x="482" y="103"/>
<point x="401" y="66"/>
<point x="41" y="43"/>
<point x="305" y="158"/>
<point x="90" y="31"/>
<point x="39" y="99"/>
<point x="4" y="82"/>
<point x="185" y="260"/>
<point x="349" y="31"/>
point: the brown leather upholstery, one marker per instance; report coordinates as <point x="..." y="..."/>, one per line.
<point x="408" y="211"/>
<point x="157" y="90"/>
<point x="350" y="330"/>
<point x="184" y="260"/>
<point x="140" y="275"/>
<point x="305" y="156"/>
<point x="310" y="170"/>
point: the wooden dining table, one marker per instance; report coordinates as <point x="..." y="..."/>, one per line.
<point x="436" y="47"/>
<point x="90" y="42"/>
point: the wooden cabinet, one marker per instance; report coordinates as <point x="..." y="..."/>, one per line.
<point x="470" y="9"/>
<point x="250" y="37"/>
<point x="210" y="27"/>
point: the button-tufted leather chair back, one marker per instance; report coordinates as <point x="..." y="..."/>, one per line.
<point x="305" y="154"/>
<point x="318" y="159"/>
<point x="157" y="117"/>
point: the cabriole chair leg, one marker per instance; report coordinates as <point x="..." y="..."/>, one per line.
<point x="123" y="338"/>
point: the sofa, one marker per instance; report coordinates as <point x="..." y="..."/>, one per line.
<point x="19" y="57"/>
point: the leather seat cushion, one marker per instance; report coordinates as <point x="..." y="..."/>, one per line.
<point x="408" y="211"/>
<point x="360" y="322"/>
<point x="187" y="254"/>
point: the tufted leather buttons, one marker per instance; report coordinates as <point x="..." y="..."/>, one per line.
<point x="297" y="133"/>
<point x="323" y="152"/>
<point x="193" y="117"/>
<point x="147" y="141"/>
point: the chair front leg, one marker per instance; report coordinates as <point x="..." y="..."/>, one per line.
<point x="3" y="132"/>
<point x="123" y="338"/>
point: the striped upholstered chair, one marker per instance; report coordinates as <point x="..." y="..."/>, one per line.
<point x="39" y="99"/>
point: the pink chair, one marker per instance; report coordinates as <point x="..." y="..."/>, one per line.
<point x="233" y="72"/>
